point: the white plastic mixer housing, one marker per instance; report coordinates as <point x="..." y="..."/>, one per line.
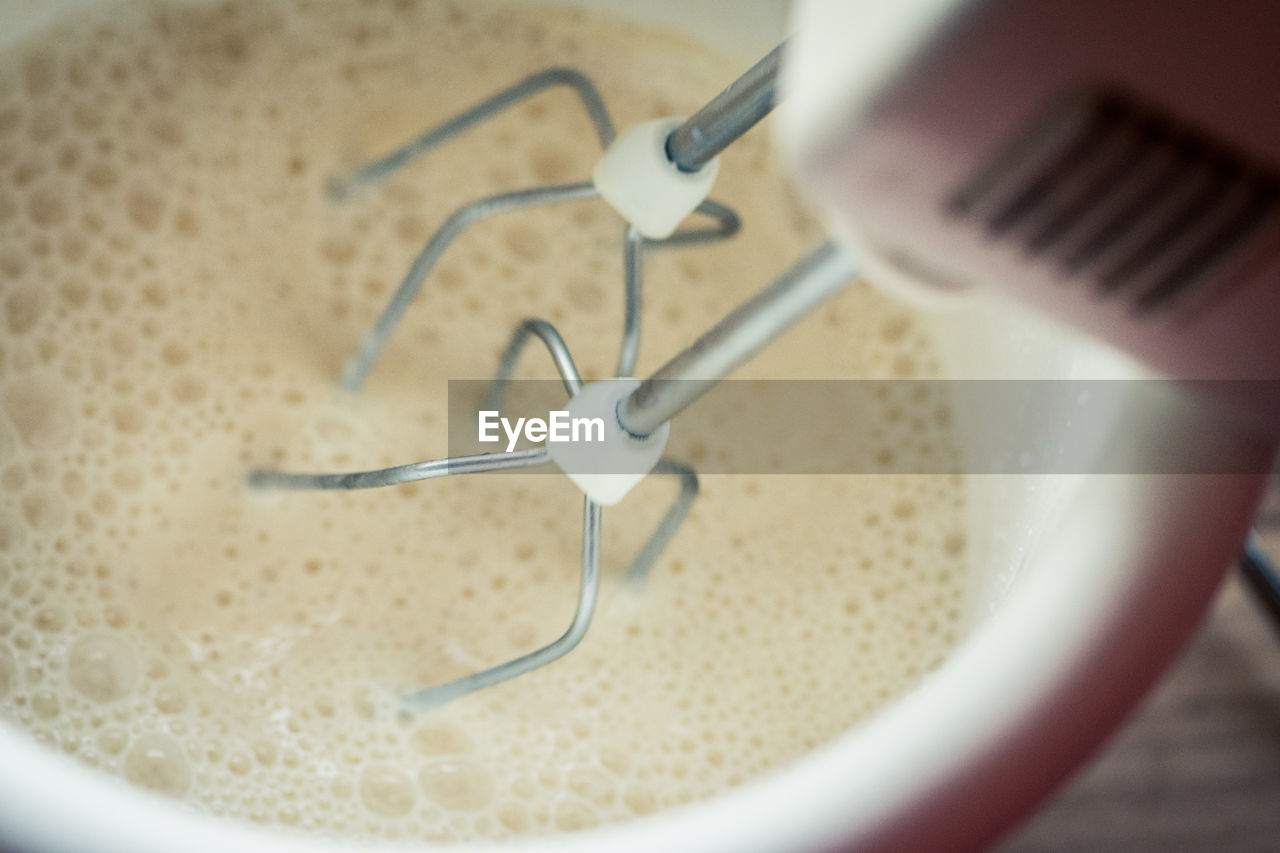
<point x="1112" y="163"/>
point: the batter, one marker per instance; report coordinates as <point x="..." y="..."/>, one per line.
<point x="177" y="299"/>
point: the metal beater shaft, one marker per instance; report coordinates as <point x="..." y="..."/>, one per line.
<point x="734" y="340"/>
<point x="727" y="116"/>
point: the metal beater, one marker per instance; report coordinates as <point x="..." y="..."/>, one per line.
<point x="689" y="147"/>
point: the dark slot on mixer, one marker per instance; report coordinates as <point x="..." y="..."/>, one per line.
<point x="1142" y="206"/>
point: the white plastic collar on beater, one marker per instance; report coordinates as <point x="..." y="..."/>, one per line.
<point x="607" y="470"/>
<point x="636" y="176"/>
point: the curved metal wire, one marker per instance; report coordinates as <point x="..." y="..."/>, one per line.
<point x="643" y="562"/>
<point x="589" y="588"/>
<point x="632" y="300"/>
<point x="728" y="223"/>
<point x="560" y="355"/>
<point x="588" y="593"/>
<point x="374" y="171"/>
<point x="633" y="245"/>
<point x="357" y="369"/>
<point x="263" y="478"/>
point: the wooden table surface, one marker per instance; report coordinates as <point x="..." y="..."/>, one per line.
<point x="1197" y="767"/>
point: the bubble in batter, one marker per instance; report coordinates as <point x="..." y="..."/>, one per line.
<point x="386" y="790"/>
<point x="156" y="761"/>
<point x="101" y="667"/>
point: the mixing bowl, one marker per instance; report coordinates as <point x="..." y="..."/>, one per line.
<point x="1086" y="587"/>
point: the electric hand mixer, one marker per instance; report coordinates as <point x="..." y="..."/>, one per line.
<point x="1081" y="157"/>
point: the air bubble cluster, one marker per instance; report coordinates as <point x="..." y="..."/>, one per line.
<point x="177" y="297"/>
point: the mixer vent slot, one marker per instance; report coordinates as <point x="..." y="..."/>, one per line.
<point x="1123" y="196"/>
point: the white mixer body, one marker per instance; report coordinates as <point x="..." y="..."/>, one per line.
<point x="1112" y="163"/>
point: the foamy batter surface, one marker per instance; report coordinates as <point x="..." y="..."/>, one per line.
<point x="177" y="299"/>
